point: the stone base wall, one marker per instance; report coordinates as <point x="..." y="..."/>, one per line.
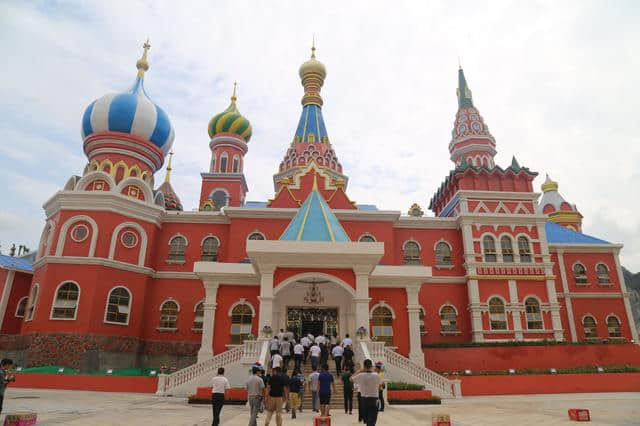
<point x="88" y="352"/>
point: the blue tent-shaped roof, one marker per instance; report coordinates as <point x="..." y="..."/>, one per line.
<point x="315" y="222"/>
<point x="559" y="234"/>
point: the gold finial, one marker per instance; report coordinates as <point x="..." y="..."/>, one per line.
<point x="313" y="46"/>
<point x="549" y="185"/>
<point x="167" y="176"/>
<point x="143" y="64"/>
<point x="234" y="96"/>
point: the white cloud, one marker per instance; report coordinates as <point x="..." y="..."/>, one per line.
<point x="554" y="81"/>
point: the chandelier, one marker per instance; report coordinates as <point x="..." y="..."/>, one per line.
<point x="313" y="295"/>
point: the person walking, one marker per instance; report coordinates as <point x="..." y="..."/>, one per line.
<point x="298" y="351"/>
<point x="295" y="385"/>
<point x="382" y="385"/>
<point x="219" y="385"/>
<point x="285" y="351"/>
<point x="315" y="353"/>
<point x="255" y="392"/>
<point x="347" y="388"/>
<point x="306" y="344"/>
<point x="302" y="387"/>
<point x="5" y="377"/>
<point x="368" y="382"/>
<point x="347" y="357"/>
<point x="327" y="385"/>
<point x="337" y="352"/>
<point x="276" y="361"/>
<point x="277" y="394"/>
<point x="314" y="387"/>
<point x="347" y="341"/>
<point x="274" y="345"/>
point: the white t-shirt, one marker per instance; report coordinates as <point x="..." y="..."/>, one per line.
<point x="315" y="350"/>
<point x="281" y="335"/>
<point x="276" y="361"/>
<point x="311" y="338"/>
<point x="298" y="349"/>
<point x="285" y="348"/>
<point x="347" y="342"/>
<point x="314" y="381"/>
<point x="275" y="344"/>
<point x="219" y="384"/>
<point x="320" y="340"/>
<point x="306" y="342"/>
<point x="337" y="351"/>
<point x="368" y="382"/>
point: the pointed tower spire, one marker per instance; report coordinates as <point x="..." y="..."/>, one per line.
<point x="470" y="138"/>
<point x="143" y="64"/>
<point x="515" y="165"/>
<point x="167" y="176"/>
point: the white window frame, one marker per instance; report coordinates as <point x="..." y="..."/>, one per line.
<point x="595" y="322"/>
<point x="235" y="164"/>
<point x="367" y="234"/>
<point x="186" y="244"/>
<point x="506" y="317"/>
<point x="435" y="252"/>
<point x="515" y="256"/>
<point x="224" y="156"/>
<point x="204" y="239"/>
<point x="171" y="299"/>
<point x="448" y="333"/>
<point x="573" y="274"/>
<point x="256" y="232"/>
<point x="195" y="309"/>
<point x="404" y="245"/>
<point x="524" y="303"/>
<point x="32" y="303"/>
<point x="619" y="326"/>
<point x="529" y="244"/>
<point x="55" y="298"/>
<point x="607" y="284"/>
<point x="498" y="253"/>
<point x="26" y="298"/>
<point x="241" y="301"/>
<point x="106" y="307"/>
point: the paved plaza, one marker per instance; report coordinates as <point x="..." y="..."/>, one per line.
<point x="98" y="408"/>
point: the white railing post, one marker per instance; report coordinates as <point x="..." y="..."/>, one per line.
<point x="162" y="383"/>
<point x="457" y="388"/>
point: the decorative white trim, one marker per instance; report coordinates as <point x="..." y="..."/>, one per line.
<point x="447" y="304"/>
<point x="26" y="298"/>
<point x="481" y="208"/>
<point x="540" y="304"/>
<point x="44" y="246"/>
<point x="284" y="283"/>
<point x="595" y="320"/>
<point x="615" y="316"/>
<point x="186" y="240"/>
<point x="242" y="301"/>
<point x="85" y="180"/>
<point x="442" y="240"/>
<point x="502" y="207"/>
<point x="32" y="302"/>
<point x="495" y="245"/>
<point x="226" y="157"/>
<point x="411" y="240"/>
<point x="236" y="157"/>
<point x="142" y="237"/>
<point x="256" y="231"/>
<point x="170" y="299"/>
<point x="209" y="236"/>
<point x="195" y="307"/>
<point x="135" y="239"/>
<point x="65" y="229"/>
<point x="138" y="183"/>
<point x="55" y="297"/>
<point x="79" y="240"/>
<point x="506" y="318"/>
<point x="367" y="234"/>
<point x="520" y="207"/>
<point x="106" y="307"/>
<point x="382" y="304"/>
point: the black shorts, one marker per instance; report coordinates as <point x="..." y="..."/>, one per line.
<point x="325" y="398"/>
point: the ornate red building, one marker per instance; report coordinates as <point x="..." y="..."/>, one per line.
<point x="124" y="276"/>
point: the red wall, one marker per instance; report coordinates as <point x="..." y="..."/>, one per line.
<point x="505" y="357"/>
<point x="87" y="383"/>
<point x="19" y="289"/>
<point x="548" y="383"/>
<point x="397" y="299"/>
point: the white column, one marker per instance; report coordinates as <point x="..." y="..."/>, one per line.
<point x="515" y="310"/>
<point x="6" y="293"/>
<point x="625" y="298"/>
<point x="473" y="293"/>
<point x="556" y="322"/>
<point x="208" y="322"/>
<point x="413" y="308"/>
<point x="361" y="301"/>
<point x="567" y="297"/>
<point x="266" y="298"/>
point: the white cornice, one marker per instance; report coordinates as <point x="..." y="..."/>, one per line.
<point x="590" y="295"/>
<point x="101" y="261"/>
<point x="585" y="248"/>
<point x="497" y="195"/>
<point x="446" y="280"/>
<point x="386" y="275"/>
<point x="262" y="212"/>
<point x="195" y="217"/>
<point x="501" y="219"/>
<point x="175" y="275"/>
<point x="227" y="273"/>
<point x="426" y="222"/>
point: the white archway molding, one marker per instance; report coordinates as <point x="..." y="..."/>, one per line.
<point x="170" y="299"/>
<point x="65" y="229"/>
<point x="140" y="184"/>
<point x="242" y="301"/>
<point x="595" y="320"/>
<point x="447" y="305"/>
<point x="45" y="239"/>
<point x="411" y="240"/>
<point x="106" y="306"/>
<point x="306" y="275"/>
<point x="382" y="304"/>
<point x="24" y="299"/>
<point x="143" y="240"/>
<point x="95" y="175"/>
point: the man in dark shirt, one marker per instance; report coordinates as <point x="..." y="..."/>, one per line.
<point x="326" y="386"/>
<point x="277" y="395"/>
<point x="295" y="386"/>
<point x="348" y="390"/>
<point x="5" y="377"/>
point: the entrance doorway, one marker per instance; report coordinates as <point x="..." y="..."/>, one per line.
<point x="305" y="320"/>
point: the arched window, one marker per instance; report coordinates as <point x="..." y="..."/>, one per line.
<point x="169" y="315"/>
<point x="177" y="247"/>
<point x="21" y="307"/>
<point x="256" y="236"/>
<point x="66" y="301"/>
<point x="443" y="254"/>
<point x="223" y="163"/>
<point x="220" y="199"/>
<point x="448" y="319"/>
<point x="236" y="164"/>
<point x="497" y="315"/>
<point x="411" y="253"/>
<point x="213" y="164"/>
<point x="367" y="239"/>
<point x="210" y="247"/>
<point x="489" y="246"/>
<point x="589" y="327"/>
<point x="33" y="300"/>
<point x="507" y="249"/>
<point x="423" y="327"/>
<point x="603" y="274"/>
<point x="241" y="318"/>
<point x="524" y="249"/>
<point x="199" y="317"/>
<point x="534" y="314"/>
<point x="613" y="325"/>
<point x="579" y="274"/>
<point x="382" y="323"/>
<point x="118" y="306"/>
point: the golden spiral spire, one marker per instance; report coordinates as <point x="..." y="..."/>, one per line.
<point x="143" y="64"/>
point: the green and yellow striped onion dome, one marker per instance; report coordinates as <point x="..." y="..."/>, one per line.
<point x="230" y="121"/>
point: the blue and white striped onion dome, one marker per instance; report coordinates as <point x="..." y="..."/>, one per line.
<point x="130" y="112"/>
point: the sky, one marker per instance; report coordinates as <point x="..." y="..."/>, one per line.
<point x="554" y="81"/>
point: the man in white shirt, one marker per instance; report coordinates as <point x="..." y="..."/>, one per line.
<point x="274" y="346"/>
<point x="346" y="341"/>
<point x="368" y="382"/>
<point x="285" y="351"/>
<point x="276" y="360"/>
<point x="255" y="393"/>
<point x="314" y="387"/>
<point x="281" y="335"/>
<point x="315" y="355"/>
<point x="218" y="385"/>
<point x="337" y="352"/>
<point x="306" y="344"/>
<point x="298" y="350"/>
<point x="320" y="340"/>
<point x="311" y="338"/>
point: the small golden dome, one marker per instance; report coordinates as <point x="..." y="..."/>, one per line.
<point x="313" y="66"/>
